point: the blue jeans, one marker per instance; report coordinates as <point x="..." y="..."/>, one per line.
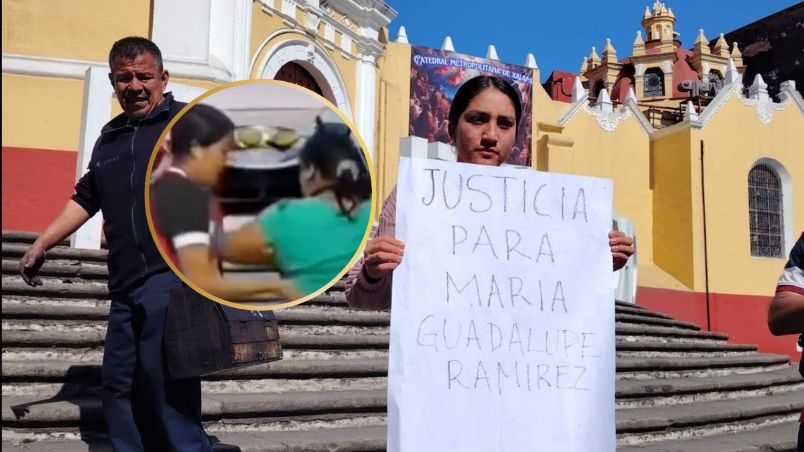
<point x="145" y="410"/>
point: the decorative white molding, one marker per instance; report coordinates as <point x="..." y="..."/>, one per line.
<point x="311" y="21"/>
<point x="369" y="16"/>
<point x="639" y="69"/>
<point x="608" y="120"/>
<point x="576" y="105"/>
<point x="690" y="115"/>
<point x="603" y="102"/>
<point x="626" y="277"/>
<point x="75" y="69"/>
<point x="758" y="89"/>
<point x="788" y="93"/>
<point x="289" y="8"/>
<point x="630" y="95"/>
<point x="366" y="96"/>
<point x="242" y="39"/>
<point x="329" y="33"/>
<point x="417" y="147"/>
<point x="732" y="75"/>
<point x="346" y="43"/>
<point x="313" y="58"/>
<point x="49" y="66"/>
<point x="578" y="91"/>
<point x="447" y="44"/>
<point x="720" y="100"/>
<point x="402" y="36"/>
<point x="764" y="106"/>
<point x="667" y="67"/>
<point x="95" y="113"/>
<point x="185" y="93"/>
<point x="491" y="53"/>
<point x="530" y="61"/>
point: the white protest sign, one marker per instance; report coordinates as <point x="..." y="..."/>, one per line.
<point x="502" y="322"/>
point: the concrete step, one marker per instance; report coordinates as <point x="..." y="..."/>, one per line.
<point x="53" y="378"/>
<point x="680" y="367"/>
<point x="675" y="391"/>
<point x="35" y="411"/>
<point x="634" y="425"/>
<point x="649" y="348"/>
<point x="13" y="250"/>
<point x="627" y="318"/>
<point x="653" y="424"/>
<point x="59" y="270"/>
<point x="91" y="388"/>
<point x="26" y="237"/>
<point x="777" y="437"/>
<point x="54" y="289"/>
<point x="83" y="341"/>
<point x="348" y="439"/>
<point x="638" y="332"/>
<point x="55" y="370"/>
<point x="772" y="436"/>
<point x="628" y="308"/>
<point x="361" y="364"/>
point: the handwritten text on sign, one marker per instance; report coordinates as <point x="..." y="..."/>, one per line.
<point x="502" y="331"/>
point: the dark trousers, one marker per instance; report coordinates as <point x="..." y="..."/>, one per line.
<point x="145" y="410"/>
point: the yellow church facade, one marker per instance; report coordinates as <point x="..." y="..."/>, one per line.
<point x="690" y="188"/>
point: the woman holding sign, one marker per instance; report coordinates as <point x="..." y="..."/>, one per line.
<point x="483" y="121"/>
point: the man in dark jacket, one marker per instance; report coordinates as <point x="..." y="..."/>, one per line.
<point x="144" y="409"/>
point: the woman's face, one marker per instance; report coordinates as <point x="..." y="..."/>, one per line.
<point x="486" y="129"/>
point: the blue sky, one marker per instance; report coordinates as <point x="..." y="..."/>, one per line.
<point x="561" y="33"/>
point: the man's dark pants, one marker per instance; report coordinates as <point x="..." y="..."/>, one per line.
<point x="145" y="410"/>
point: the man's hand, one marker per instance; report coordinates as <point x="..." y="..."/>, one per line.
<point x="30" y="263"/>
<point x="622" y="248"/>
<point x="382" y="254"/>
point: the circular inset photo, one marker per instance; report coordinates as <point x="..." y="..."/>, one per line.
<point x="260" y="194"/>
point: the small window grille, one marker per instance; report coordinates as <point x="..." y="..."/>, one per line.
<point x="654" y="83"/>
<point x="765" y="211"/>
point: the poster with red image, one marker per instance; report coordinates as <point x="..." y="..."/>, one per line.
<point x="436" y="75"/>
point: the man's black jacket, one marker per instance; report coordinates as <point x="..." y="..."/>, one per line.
<point x="115" y="185"/>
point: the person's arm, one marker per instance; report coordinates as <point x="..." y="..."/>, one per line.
<point x="247" y="246"/>
<point x="786" y="310"/>
<point x="197" y="266"/>
<point x="786" y="313"/>
<point x="182" y="214"/>
<point x="369" y="281"/>
<point x="82" y="205"/>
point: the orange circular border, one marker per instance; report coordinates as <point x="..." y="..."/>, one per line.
<point x="172" y="265"/>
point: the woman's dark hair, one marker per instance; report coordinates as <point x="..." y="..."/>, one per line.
<point x="201" y="125"/>
<point x="472" y="88"/>
<point x="332" y="150"/>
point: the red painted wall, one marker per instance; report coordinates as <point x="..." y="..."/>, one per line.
<point x="743" y="317"/>
<point x="36" y="184"/>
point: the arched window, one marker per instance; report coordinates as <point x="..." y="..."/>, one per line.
<point x="765" y="211"/>
<point x="654" y="82"/>
<point x="715" y="82"/>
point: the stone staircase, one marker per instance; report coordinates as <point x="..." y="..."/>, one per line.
<point x="678" y="388"/>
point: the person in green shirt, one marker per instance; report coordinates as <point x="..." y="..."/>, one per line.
<point x="313" y="238"/>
